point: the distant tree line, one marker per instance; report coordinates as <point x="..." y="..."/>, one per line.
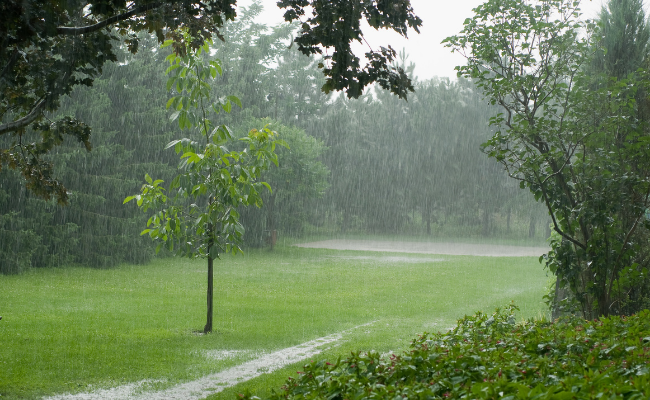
<point x="416" y="166"/>
<point x="376" y="164"/>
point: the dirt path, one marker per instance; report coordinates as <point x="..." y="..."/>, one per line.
<point x="457" y="249"/>
<point x="215" y="383"/>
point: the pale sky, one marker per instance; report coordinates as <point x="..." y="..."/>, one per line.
<point x="439" y="20"/>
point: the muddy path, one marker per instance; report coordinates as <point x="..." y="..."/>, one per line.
<point x="456" y="249"/>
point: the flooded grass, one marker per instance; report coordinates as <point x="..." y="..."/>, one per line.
<point x="77" y="330"/>
<point x="513" y="239"/>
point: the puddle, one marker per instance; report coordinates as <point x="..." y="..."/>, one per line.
<point x="459" y="249"/>
<point x="225" y="354"/>
<point x="390" y="259"/>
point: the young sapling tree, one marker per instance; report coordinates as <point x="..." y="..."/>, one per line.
<point x="200" y="218"/>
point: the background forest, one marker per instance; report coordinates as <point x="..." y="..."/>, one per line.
<point x="373" y="165"/>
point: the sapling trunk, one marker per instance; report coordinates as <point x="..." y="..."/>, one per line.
<point x="208" y="324"/>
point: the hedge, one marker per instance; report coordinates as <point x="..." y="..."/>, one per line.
<point x="494" y="357"/>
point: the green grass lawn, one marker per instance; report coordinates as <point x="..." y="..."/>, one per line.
<point x="77" y="329"/>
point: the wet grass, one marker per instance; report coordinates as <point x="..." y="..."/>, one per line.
<point x="75" y="329"/>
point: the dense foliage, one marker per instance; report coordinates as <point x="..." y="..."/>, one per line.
<point x="94" y="229"/>
<point x="49" y="47"/>
<point x="395" y="167"/>
<point x="492" y="356"/>
<point x="297" y="182"/>
<point x="574" y="131"/>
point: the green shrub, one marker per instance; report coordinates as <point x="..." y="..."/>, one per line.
<point x="493" y="357"/>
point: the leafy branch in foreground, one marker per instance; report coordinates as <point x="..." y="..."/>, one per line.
<point x="201" y="218"/>
<point x="491" y="356"/>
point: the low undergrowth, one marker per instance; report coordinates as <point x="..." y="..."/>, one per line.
<point x="493" y="357"/>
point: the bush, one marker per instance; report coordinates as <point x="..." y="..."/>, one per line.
<point x="492" y="357"/>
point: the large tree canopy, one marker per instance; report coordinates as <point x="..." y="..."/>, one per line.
<point x="574" y="131"/>
<point x="49" y="46"/>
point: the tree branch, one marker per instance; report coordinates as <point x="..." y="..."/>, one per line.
<point x="625" y="241"/>
<point x="24" y="121"/>
<point x="75" y="30"/>
<point x="566" y="162"/>
<point x="547" y="202"/>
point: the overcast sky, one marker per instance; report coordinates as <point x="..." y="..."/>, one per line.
<point x="441" y="18"/>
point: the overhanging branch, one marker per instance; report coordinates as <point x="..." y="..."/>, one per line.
<point x="24" y="121"/>
<point x="65" y="30"/>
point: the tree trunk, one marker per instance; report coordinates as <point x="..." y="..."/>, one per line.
<point x="427" y="216"/>
<point x="486" y="222"/>
<point x="560" y="294"/>
<point x="509" y="212"/>
<point x="531" y="227"/>
<point x="270" y="219"/>
<point x="208" y="324"/>
<point x="603" y="299"/>
<point x="345" y="223"/>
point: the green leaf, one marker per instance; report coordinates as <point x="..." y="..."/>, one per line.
<point x="172" y="144"/>
<point x="214" y="252"/>
<point x="267" y="186"/>
<point x="227" y="107"/>
<point x="173" y="117"/>
<point x="130" y="198"/>
<point x="182" y="121"/>
<point x="168" y="70"/>
<point x="217" y="66"/>
<point x="235" y="100"/>
<point x="170" y="82"/>
<point x="190" y="155"/>
<point x="170" y="102"/>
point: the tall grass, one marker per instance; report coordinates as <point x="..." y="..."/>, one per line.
<point x="76" y="329"/>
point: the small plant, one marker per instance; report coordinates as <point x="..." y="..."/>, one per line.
<point x="492" y="356"/>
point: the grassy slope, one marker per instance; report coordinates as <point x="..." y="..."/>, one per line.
<point x="66" y="329"/>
